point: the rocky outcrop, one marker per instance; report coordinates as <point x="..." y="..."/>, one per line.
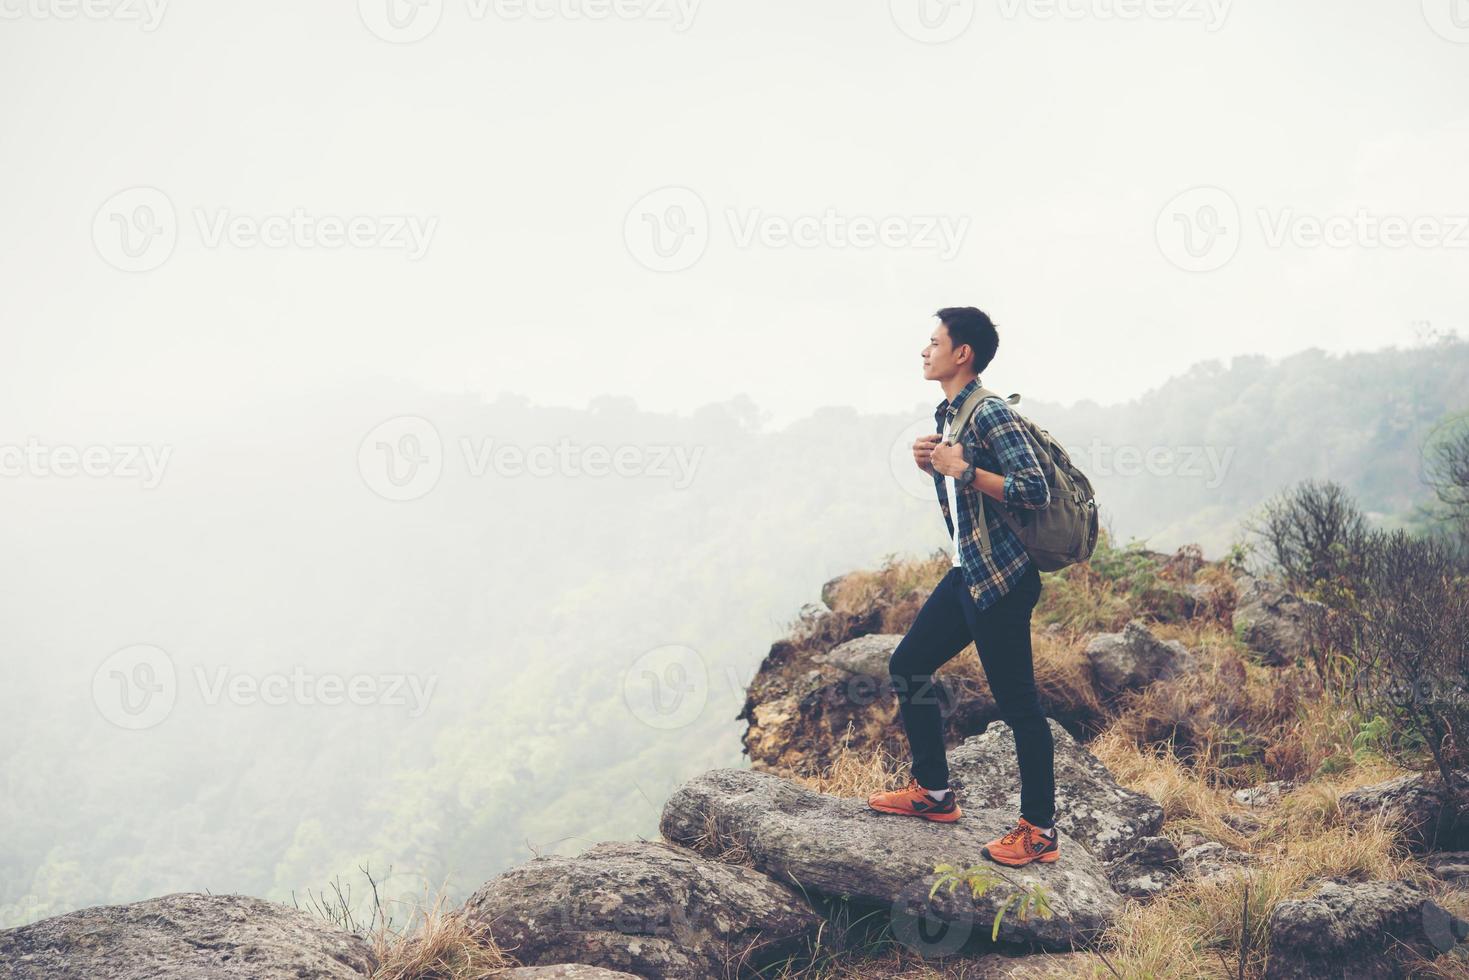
<point x="1134" y="658"/>
<point x="1090" y="806"/>
<point x="1420" y="804"/>
<point x="1361" y="930"/>
<point x="184" y="937"/>
<point x="644" y="907"/>
<point x="804" y="704"/>
<point x="1276" y="624"/>
<point x="838" y="847"/>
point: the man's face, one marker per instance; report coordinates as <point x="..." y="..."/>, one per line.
<point x="940" y="360"/>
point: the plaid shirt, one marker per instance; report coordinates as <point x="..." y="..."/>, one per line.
<point x="995" y="441"/>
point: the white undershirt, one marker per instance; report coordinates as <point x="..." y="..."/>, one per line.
<point x="953" y="504"/>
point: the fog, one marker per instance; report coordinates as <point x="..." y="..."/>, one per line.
<point x="389" y="391"/>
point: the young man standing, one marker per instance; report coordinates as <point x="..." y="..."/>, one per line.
<point x="984" y="598"/>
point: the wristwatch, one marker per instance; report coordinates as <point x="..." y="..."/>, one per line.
<point x="966" y="477"/>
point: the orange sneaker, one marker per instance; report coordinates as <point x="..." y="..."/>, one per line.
<point x="913" y="801"/>
<point x="1022" y="845"/>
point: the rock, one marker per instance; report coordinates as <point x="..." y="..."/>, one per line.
<point x="1277" y="625"/>
<point x="563" y="971"/>
<point x="1361" y="930"/>
<point x="864" y="655"/>
<point x="1090" y="807"/>
<point x="839" y="847"/>
<point x="1147" y="869"/>
<point x="644" y="907"/>
<point x="804" y="705"/>
<point x="1242" y="821"/>
<point x="1419" y="801"/>
<point x="829" y="590"/>
<point x="1265" y="794"/>
<point x="1134" y="658"/>
<point x="185" y="936"/>
<point x="1212" y="858"/>
<point x="1450" y="866"/>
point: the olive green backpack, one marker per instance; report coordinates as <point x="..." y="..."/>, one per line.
<point x="1063" y="532"/>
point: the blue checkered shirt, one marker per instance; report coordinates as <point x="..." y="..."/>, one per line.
<point x="995" y="440"/>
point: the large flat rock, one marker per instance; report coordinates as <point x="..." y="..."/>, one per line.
<point x="644" y="907"/>
<point x="184" y="937"/>
<point x="840" y="847"/>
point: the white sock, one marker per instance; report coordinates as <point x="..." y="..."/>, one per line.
<point x="937" y="794"/>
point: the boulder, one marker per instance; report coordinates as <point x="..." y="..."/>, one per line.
<point x="644" y="907"/>
<point x="840" y="848"/>
<point x="1147" y="869"/>
<point x="185" y="936"/>
<point x="1450" y="866"/>
<point x="1366" y="930"/>
<point x="1212" y="858"/>
<point x="1419" y="802"/>
<point x="1276" y="624"/>
<point x="1090" y="807"/>
<point x="1134" y="658"/>
<point x="1265" y="794"/>
<point x="804" y="705"/>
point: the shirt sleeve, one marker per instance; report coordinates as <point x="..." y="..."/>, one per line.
<point x="1025" y="481"/>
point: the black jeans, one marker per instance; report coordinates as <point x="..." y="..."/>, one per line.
<point x="944" y="626"/>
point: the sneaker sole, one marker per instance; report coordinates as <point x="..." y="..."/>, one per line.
<point x="1050" y="857"/>
<point x="935" y="817"/>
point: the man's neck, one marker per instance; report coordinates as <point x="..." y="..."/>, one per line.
<point x="952" y="386"/>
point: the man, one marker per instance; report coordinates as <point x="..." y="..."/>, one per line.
<point x="984" y="598"/>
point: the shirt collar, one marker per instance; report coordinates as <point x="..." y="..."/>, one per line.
<point x="944" y="407"/>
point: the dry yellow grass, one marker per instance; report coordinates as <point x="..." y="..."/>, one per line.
<point x="438" y="945"/>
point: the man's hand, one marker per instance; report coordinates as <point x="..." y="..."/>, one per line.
<point x="948" y="459"/>
<point x="923" y="449"/>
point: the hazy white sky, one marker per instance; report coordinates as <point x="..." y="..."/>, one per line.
<point x="502" y="166"/>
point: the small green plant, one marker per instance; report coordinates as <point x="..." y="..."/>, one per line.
<point x="981" y="879"/>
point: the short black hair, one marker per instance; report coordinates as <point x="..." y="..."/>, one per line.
<point x="967" y="325"/>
